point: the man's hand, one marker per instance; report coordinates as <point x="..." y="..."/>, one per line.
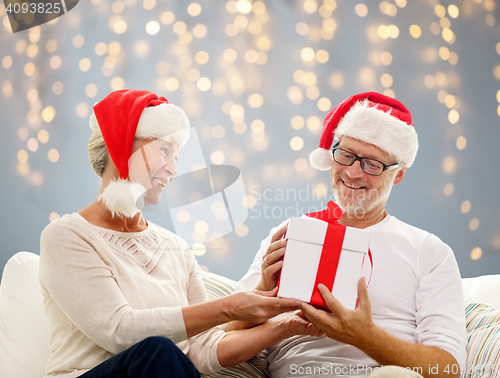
<point x="347" y="326"/>
<point x="271" y="262"/>
<point x="357" y="328"/>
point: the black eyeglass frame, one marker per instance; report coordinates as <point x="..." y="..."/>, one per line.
<point x="356" y="158"/>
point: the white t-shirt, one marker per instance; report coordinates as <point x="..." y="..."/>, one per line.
<point x="415" y="293"/>
<point x="106" y="290"/>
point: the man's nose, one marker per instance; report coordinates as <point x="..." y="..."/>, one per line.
<point x="355" y="170"/>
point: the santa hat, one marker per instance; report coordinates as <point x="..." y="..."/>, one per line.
<point x="122" y="116"/>
<point x="372" y="118"/>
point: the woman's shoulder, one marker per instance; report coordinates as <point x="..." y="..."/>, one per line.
<point x="68" y="224"/>
<point x="65" y="222"/>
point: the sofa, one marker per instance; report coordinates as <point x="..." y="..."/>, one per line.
<point x="24" y="346"/>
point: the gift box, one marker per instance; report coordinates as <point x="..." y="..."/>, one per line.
<point x="320" y="252"/>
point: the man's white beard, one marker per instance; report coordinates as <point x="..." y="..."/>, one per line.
<point x="360" y="205"/>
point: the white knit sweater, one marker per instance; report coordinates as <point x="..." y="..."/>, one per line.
<point x="106" y="290"/>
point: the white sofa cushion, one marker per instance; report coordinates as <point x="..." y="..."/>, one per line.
<point x="24" y="331"/>
<point x="483" y="289"/>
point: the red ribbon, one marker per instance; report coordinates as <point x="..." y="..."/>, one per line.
<point x="330" y="254"/>
<point x="329" y="261"/>
<point x="331" y="214"/>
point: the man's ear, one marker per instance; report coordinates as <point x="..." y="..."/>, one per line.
<point x="399" y="176"/>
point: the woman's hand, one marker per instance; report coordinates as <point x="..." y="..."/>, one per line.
<point x="258" y="306"/>
<point x="271" y="262"/>
<point x="297" y="324"/>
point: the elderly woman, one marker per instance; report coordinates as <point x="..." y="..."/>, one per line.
<point x="123" y="296"/>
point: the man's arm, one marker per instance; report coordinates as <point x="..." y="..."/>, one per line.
<point x="357" y="328"/>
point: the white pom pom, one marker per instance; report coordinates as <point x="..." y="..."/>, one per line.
<point x="321" y="159"/>
<point x="122" y="197"/>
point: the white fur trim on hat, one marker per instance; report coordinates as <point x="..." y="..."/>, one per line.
<point x="123" y="198"/>
<point x="321" y="159"/>
<point x="94" y="125"/>
<point x="164" y="121"/>
<point x="379" y="128"/>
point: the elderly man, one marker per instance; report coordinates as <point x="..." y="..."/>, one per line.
<point x="411" y="315"/>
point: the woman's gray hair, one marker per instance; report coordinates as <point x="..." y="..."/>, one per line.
<point x="98" y="152"/>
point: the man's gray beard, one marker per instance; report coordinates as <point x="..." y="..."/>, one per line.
<point x="360" y="207"/>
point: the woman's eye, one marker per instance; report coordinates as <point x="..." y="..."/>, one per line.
<point x="164" y="151"/>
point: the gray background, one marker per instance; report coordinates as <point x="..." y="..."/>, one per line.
<point x="267" y="167"/>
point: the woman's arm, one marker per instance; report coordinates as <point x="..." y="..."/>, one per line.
<point x="252" y="307"/>
<point x="239" y="346"/>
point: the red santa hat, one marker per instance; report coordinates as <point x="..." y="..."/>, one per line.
<point x="123" y="116"/>
<point x="372" y="118"/>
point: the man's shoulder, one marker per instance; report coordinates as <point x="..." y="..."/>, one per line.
<point x="418" y="237"/>
<point x="396" y="225"/>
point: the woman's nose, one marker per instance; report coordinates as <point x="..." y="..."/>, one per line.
<point x="170" y="167"/>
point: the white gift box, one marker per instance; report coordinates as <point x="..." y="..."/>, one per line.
<point x="302" y="258"/>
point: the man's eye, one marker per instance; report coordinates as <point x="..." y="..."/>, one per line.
<point x="163" y="151"/>
<point x="375" y="165"/>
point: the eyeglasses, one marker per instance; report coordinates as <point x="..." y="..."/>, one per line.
<point x="370" y="166"/>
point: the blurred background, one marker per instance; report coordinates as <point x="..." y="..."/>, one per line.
<point x="256" y="79"/>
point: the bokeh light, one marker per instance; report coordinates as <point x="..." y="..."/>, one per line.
<point x="476" y="253"/>
<point x="465" y="207"/>
<point x="217" y="157"/>
<point x="257" y="85"/>
<point x="53" y="155"/>
<point x="296" y="143"/>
